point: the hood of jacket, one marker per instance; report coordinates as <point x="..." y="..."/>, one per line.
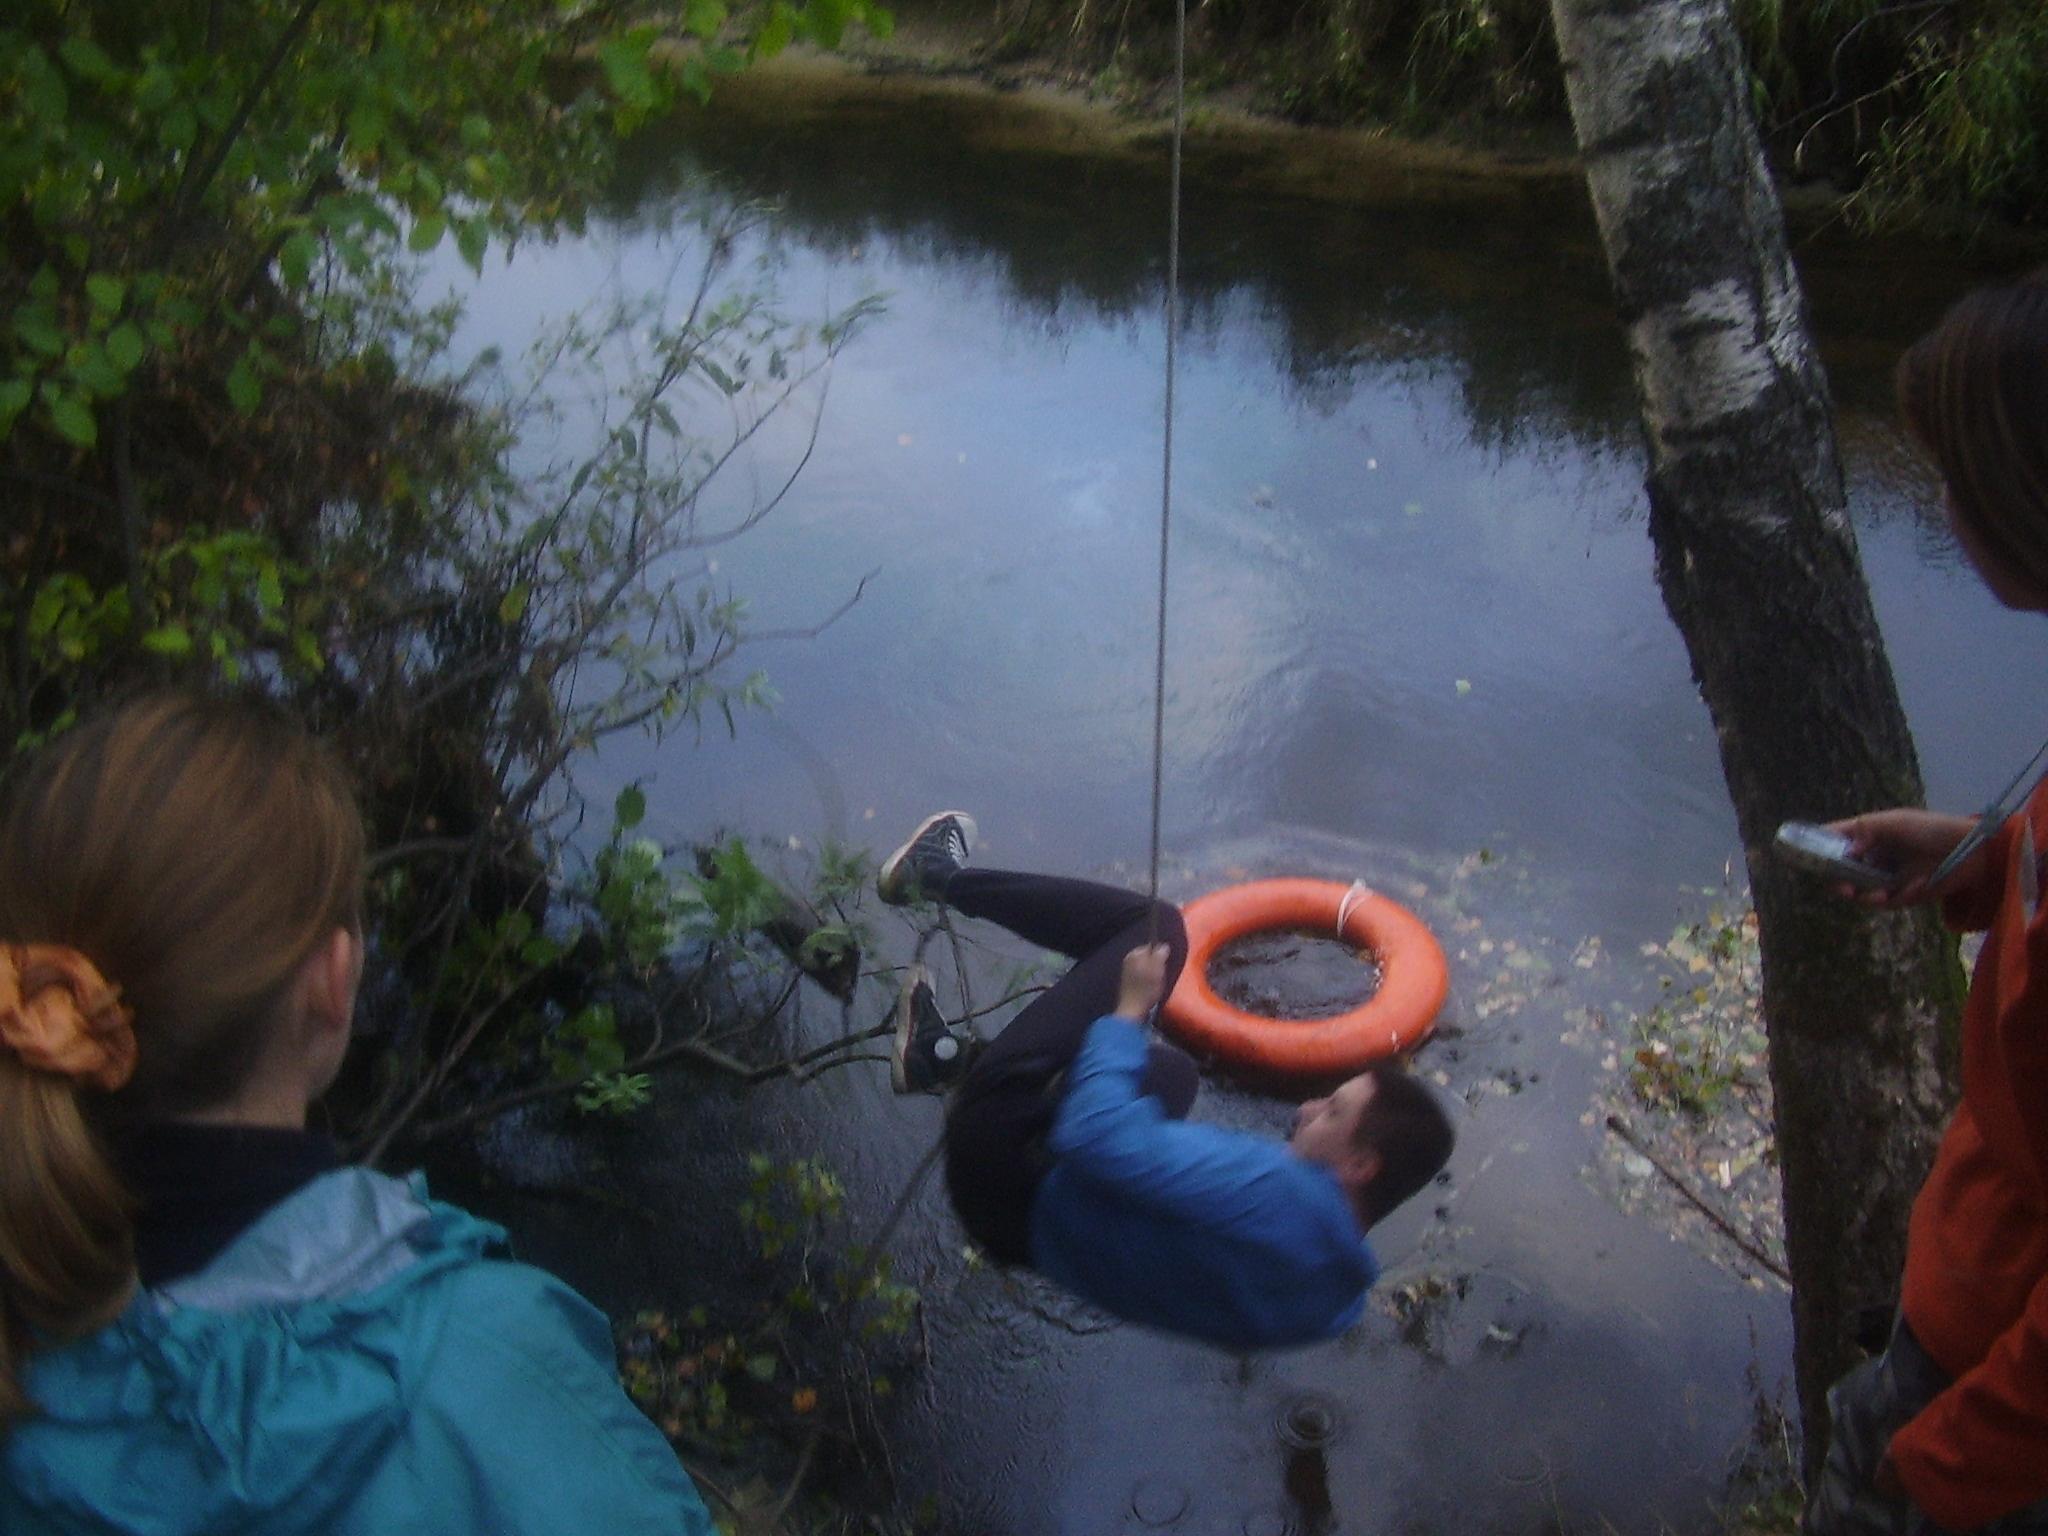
<point x="262" y="1390"/>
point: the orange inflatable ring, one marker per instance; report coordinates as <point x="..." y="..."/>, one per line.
<point x="1413" y="979"/>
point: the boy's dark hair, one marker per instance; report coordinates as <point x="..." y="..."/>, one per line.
<point x="1408" y="1129"/>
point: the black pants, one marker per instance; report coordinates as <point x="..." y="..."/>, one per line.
<point x="999" y="1117"/>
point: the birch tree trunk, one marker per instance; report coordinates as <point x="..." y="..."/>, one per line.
<point x="1758" y="566"/>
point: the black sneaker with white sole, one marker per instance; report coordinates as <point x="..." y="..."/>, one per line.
<point x="928" y="859"/>
<point x="927" y="1055"/>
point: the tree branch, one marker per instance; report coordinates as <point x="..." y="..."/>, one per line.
<point x="1734" y="1234"/>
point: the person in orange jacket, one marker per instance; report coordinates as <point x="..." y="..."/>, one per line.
<point x="1947" y="1430"/>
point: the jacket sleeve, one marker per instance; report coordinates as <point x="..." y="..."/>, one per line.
<point x="1113" y="1135"/>
<point x="1973" y="906"/>
<point x="1975" y="1452"/>
<point x="521" y="1426"/>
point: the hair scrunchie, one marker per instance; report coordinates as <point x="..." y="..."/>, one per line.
<point x="58" y="1014"/>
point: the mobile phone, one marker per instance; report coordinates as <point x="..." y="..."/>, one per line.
<point x="1823" y="851"/>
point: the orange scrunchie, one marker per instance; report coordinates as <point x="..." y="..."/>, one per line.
<point x="60" y="1015"/>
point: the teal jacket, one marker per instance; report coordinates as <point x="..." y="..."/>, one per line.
<point x="360" y="1362"/>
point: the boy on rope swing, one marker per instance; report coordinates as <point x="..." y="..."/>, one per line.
<point x="1067" y="1145"/>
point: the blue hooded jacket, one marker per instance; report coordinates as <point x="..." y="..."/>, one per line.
<point x="1195" y="1229"/>
<point x="360" y="1362"/>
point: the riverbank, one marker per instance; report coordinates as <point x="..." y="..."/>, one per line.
<point x="1013" y="96"/>
<point x="1036" y="103"/>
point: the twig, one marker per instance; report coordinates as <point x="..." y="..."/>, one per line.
<point x="812" y="1074"/>
<point x="1003" y="1002"/>
<point x="796" y="1481"/>
<point x="395" y="853"/>
<point x="749" y="1073"/>
<point x="1734" y="1234"/>
<point x="192" y="186"/>
<point x="710" y="1485"/>
<point x="901" y="1208"/>
<point x="813" y="631"/>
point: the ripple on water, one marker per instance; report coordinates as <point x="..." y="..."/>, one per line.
<point x="1158" y="1501"/>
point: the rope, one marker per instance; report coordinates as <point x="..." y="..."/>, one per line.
<point x="1994" y="817"/>
<point x="1359" y="891"/>
<point x="1180" y="32"/>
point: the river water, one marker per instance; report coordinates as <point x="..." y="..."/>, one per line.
<point x="1414" y="638"/>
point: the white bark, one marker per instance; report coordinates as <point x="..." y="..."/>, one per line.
<point x="1758" y="565"/>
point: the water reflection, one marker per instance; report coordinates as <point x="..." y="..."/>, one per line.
<point x="1426" y="286"/>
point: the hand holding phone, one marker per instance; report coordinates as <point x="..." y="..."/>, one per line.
<point x="1821" y="850"/>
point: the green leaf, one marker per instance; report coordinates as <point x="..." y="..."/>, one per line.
<point x="105" y="292"/>
<point x="44" y="90"/>
<point x="125" y="347"/>
<point x="704" y="19"/>
<point x="540" y="950"/>
<point x="427" y="232"/>
<point x="14" y="398"/>
<point x="761" y="1367"/>
<point x="93" y="372"/>
<point x="36" y="325"/>
<point x="512" y="607"/>
<point x="472" y="239"/>
<point x="826" y="946"/>
<point x="168" y="640"/>
<point x="774" y="36"/>
<point x="476" y="131"/>
<point x="245" y="390"/>
<point x="696" y="79"/>
<point x="366" y="122"/>
<point x="178" y="129"/>
<point x="87" y="60"/>
<point x="626" y="68"/>
<point x="71" y="416"/>
<point x="823" y="23"/>
<point x="296" y="256"/>
<point x="630" y="809"/>
<point x="155" y="87"/>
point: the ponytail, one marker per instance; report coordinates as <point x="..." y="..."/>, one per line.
<point x="67" y="1259"/>
<point x="164" y="872"/>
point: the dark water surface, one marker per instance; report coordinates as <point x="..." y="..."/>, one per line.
<point x="1415" y="639"/>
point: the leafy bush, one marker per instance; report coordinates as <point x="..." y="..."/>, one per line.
<point x="236" y="449"/>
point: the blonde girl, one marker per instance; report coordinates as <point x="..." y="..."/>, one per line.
<point x="207" y="1321"/>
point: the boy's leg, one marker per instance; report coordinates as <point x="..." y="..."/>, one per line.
<point x="998" y="1119"/>
<point x="1096" y="925"/>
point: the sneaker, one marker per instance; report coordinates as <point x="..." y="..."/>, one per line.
<point x="927" y="1054"/>
<point x="935" y="853"/>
